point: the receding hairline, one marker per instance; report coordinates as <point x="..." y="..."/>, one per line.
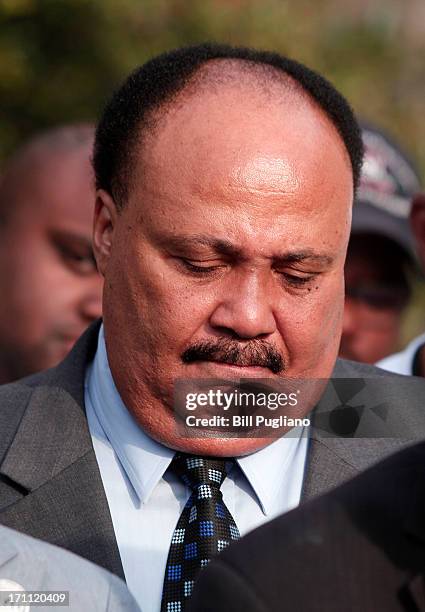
<point x="238" y="73"/>
<point x="210" y="77"/>
<point x="169" y="76"/>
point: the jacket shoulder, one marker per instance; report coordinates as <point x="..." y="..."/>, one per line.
<point x="66" y="379"/>
<point x="345" y="368"/>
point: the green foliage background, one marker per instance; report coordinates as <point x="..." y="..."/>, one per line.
<point x="60" y="59"/>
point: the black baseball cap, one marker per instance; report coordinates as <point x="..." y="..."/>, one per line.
<point x="388" y="182"/>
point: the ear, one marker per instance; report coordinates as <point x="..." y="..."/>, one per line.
<point x="105" y="218"/>
<point x="417" y="223"/>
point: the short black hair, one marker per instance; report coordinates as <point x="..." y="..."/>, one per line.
<point x="159" y="80"/>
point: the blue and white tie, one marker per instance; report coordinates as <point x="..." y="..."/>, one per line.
<point x="205" y="527"/>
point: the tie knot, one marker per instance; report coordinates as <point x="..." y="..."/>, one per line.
<point x="195" y="471"/>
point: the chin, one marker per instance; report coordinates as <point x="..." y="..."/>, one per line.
<point x="167" y="432"/>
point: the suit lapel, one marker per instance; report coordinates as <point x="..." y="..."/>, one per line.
<point x="332" y="459"/>
<point x="325" y="468"/>
<point x="52" y="458"/>
<point x="70" y="511"/>
<point x="52" y="435"/>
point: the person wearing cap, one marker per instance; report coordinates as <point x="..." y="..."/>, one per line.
<point x="380" y="256"/>
<point x="411" y="360"/>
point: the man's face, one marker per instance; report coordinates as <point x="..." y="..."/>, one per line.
<point x="374" y="303"/>
<point x="231" y="248"/>
<point x="49" y="284"/>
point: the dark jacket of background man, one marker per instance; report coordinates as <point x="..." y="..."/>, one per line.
<point x="359" y="548"/>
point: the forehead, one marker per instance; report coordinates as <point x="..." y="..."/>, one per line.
<point x="56" y="188"/>
<point x="238" y="157"/>
<point x="213" y="128"/>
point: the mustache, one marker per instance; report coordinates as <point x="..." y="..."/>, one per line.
<point x="255" y="353"/>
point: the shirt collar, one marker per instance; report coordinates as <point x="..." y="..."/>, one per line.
<point x="266" y="468"/>
<point x="402" y="362"/>
<point x="412" y="349"/>
<point x="145" y="461"/>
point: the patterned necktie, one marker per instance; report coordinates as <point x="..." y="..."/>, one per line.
<point x="204" y="528"/>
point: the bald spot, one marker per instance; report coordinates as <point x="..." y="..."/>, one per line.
<point x="51" y="157"/>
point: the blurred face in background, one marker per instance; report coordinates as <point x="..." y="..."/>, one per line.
<point x="49" y="286"/>
<point x="227" y="259"/>
<point x="377" y="291"/>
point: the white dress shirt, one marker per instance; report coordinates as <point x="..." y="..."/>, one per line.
<point x="146" y="499"/>
<point x="402" y="362"/>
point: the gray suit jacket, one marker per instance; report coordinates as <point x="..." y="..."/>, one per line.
<point x="50" y="484"/>
<point x="37" y="566"/>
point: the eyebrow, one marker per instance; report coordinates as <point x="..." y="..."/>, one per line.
<point x="225" y="247"/>
<point x="305" y="255"/>
<point x="67" y="239"/>
<point x="67" y="236"/>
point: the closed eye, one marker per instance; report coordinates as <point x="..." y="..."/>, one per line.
<point x="297" y="280"/>
<point x="74" y="251"/>
<point x="80" y="263"/>
<point x="200" y="267"/>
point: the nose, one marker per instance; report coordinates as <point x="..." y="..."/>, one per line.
<point x="91" y="301"/>
<point x="246" y="310"/>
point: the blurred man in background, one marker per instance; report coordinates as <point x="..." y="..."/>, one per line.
<point x="380" y="257"/>
<point x="49" y="285"/>
<point x="412" y="359"/>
